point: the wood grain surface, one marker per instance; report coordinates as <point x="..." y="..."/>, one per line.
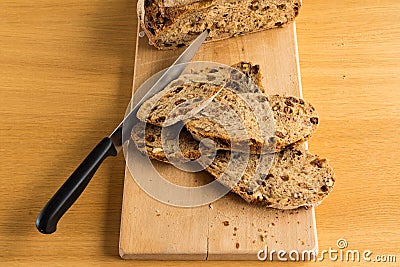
<point x="229" y="228"/>
<point x="66" y="78"/>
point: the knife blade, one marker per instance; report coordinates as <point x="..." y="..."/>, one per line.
<point x="73" y="187"/>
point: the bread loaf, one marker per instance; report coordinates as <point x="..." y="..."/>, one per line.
<point x="171" y="24"/>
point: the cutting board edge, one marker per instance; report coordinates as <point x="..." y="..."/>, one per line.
<point x="165" y="257"/>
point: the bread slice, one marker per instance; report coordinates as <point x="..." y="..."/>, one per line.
<point x="294" y="120"/>
<point x="236" y="121"/>
<point x="170" y="25"/>
<point x="296" y="178"/>
<point x="196" y="86"/>
<point x="178" y="102"/>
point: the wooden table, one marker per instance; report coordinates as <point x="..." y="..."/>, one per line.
<point x="65" y="81"/>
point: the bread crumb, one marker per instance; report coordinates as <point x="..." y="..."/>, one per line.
<point x="263" y="237"/>
<point x="237" y="245"/>
<point x="211" y="206"/>
<point x="226" y="223"/>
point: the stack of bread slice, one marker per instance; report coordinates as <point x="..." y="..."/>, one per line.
<point x="288" y="177"/>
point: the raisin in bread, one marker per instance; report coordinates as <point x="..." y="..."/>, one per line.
<point x="295" y="178"/>
<point x="171" y="24"/>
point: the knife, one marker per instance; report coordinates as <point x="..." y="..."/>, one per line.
<point x="73" y="187"/>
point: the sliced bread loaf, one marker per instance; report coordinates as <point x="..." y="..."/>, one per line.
<point x="172" y="24"/>
<point x="296" y="178"/>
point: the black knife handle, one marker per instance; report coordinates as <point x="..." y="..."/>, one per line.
<point x="69" y="192"/>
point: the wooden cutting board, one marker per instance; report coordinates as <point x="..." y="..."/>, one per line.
<point x="228" y="229"/>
